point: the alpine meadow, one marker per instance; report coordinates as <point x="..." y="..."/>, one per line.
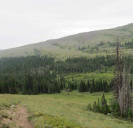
<point x="82" y="80"/>
<point x="78" y="90"/>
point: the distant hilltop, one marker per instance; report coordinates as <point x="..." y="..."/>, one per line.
<point x="86" y="44"/>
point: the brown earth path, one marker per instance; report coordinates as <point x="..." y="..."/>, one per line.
<point x="17" y="115"/>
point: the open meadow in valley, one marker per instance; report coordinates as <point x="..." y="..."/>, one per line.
<point x="62" y="110"/>
<point x="66" y="64"/>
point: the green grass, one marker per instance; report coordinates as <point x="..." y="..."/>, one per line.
<point x="63" y="110"/>
<point x="85" y="76"/>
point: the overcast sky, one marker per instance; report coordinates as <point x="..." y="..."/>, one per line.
<point x="29" y="21"/>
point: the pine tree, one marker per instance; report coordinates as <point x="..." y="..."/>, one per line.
<point x="82" y="87"/>
<point x="130" y="114"/>
<point x="89" y="107"/>
<point x="94" y="106"/>
<point x="12" y="87"/>
<point x="115" y="109"/>
<point x="98" y="106"/>
<point x="104" y="106"/>
<point x="91" y="88"/>
<point x="88" y="86"/>
<point x="93" y="85"/>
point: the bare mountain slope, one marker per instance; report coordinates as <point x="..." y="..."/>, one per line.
<point x="82" y="44"/>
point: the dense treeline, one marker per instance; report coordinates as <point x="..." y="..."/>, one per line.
<point x="95" y="86"/>
<point x="83" y="65"/>
<point x="28" y="75"/>
<point x="70" y="65"/>
<point x="91" y="86"/>
<point x="27" y="64"/>
<point x="43" y="74"/>
<point x="30" y="84"/>
<point x="129" y="44"/>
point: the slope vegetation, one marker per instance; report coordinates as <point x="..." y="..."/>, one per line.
<point x="87" y="44"/>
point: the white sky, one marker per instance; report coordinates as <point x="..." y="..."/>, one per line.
<point x="29" y="21"/>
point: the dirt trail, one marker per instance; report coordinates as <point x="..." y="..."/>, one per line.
<point x="17" y="115"/>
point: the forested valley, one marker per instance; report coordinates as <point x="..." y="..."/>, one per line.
<point x="44" y="74"/>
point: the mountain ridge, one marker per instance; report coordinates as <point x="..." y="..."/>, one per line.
<point x="73" y="45"/>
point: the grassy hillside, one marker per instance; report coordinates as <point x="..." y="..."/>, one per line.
<point x="83" y="44"/>
<point x="71" y="111"/>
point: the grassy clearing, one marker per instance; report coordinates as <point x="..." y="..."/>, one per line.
<point x="63" y="110"/>
<point x="85" y="76"/>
